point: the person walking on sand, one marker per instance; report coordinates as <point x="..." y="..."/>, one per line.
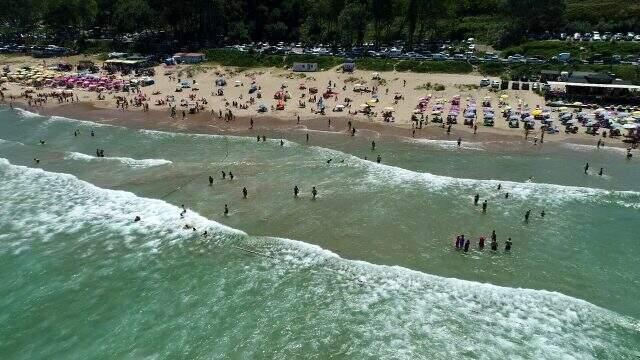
<point x="244" y="192"/>
<point x="484" y="206"/>
<point x="295" y="191"/>
<point x="251" y="124"/>
<point x="298" y="122"/>
<point x="314" y="192"/>
<point x="586" y="168"/>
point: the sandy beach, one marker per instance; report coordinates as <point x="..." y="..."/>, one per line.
<point x="203" y="93"/>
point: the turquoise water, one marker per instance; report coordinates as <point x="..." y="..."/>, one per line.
<point x="81" y="279"/>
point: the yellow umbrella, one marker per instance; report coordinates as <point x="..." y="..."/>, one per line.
<point x="536" y="112"/>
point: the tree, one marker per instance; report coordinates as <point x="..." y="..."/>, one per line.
<point x="131" y="15"/>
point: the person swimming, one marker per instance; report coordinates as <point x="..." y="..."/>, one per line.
<point x="295" y="191"/>
<point x="542" y="214"/>
<point x="136" y="219"/>
<point x="244" y="192"/>
<point x="507" y="245"/>
<point x="329" y="161"/>
<point x="92" y="133"/>
<point x="314" y="192"/>
<point x="36" y="160"/>
<point x="210" y="180"/>
<point x="42" y="142"/>
<point x="476" y="198"/>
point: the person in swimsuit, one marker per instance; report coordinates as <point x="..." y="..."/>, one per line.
<point x="210" y="180"/>
<point x="244" y="192"/>
<point x="226" y="210"/>
<point x="314" y="192"/>
<point x="484" y="206"/>
<point x="481" y="243"/>
<point x="295" y="191"/>
<point x="507" y="245"/>
<point x="476" y="199"/>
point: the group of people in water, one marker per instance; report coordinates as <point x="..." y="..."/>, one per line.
<point x="464" y="244"/>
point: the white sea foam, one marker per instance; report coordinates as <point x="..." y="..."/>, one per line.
<point x="542" y="193"/>
<point x="583" y="148"/>
<point x="134" y="163"/>
<point x="447" y="144"/>
<point x="91" y="124"/>
<point x="27" y="114"/>
<point x="390" y="311"/>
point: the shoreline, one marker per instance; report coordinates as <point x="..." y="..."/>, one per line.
<point x="203" y="122"/>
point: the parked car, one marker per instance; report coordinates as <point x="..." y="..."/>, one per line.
<point x="485" y="82"/>
<point x="596" y="36"/>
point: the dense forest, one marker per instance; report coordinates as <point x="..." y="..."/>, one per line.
<point x="338" y="22"/>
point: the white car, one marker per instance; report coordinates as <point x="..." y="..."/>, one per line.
<point x="596" y="36"/>
<point x="485" y="82"/>
<point x="577" y="36"/>
<point x="495" y="84"/>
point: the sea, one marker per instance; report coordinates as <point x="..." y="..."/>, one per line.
<point x="367" y="270"/>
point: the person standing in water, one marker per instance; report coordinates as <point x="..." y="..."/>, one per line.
<point x="506" y="195"/>
<point x="92" y="133"/>
<point x="378" y="159"/>
<point x="600" y="172"/>
<point x="476" y="199"/>
<point x="586" y="167"/>
<point x="459" y="141"/>
<point x="353" y="131"/>
<point x="264" y="138"/>
<point x="307" y="137"/>
<point x="494" y="244"/>
<point x="481" y="243"/>
<point x="224" y="175"/>
<point x="226" y="210"/>
<point x="244" y="192"/>
<point x="295" y="191"/>
<point x="210" y="180"/>
<point x="542" y="214"/>
<point x="526" y="216"/>
<point x="314" y="192"/>
<point x="499" y="187"/>
<point x="258" y="137"/>
<point x="373" y="145"/>
<point x="466" y="245"/>
<point x="281" y="142"/>
<point x="484" y="206"/>
<point x="507" y="245"/>
<point x="230" y="175"/>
